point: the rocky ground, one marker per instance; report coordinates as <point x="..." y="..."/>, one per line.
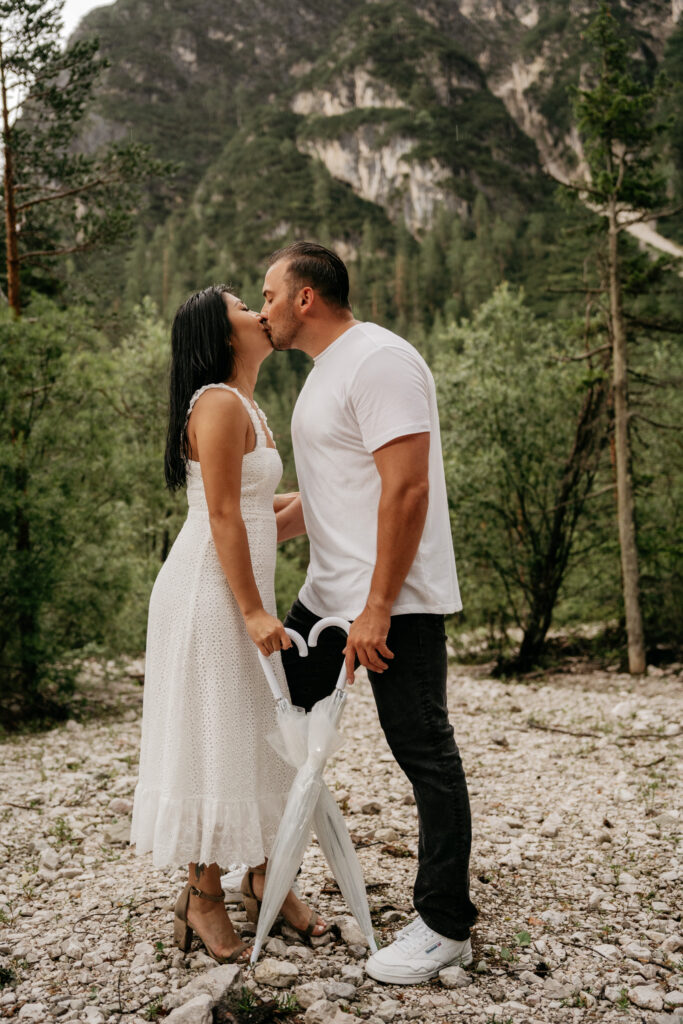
<point x="576" y="798"/>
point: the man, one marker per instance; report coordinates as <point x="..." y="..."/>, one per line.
<point x="373" y="500"/>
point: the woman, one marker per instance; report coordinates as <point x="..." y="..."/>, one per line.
<point x="211" y="790"/>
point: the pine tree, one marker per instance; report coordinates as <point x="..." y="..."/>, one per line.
<point x="618" y="127"/>
<point x="56" y="199"/>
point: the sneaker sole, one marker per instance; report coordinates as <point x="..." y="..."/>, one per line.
<point x="384" y="974"/>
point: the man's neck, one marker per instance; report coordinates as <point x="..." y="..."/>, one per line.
<point x="325" y="334"/>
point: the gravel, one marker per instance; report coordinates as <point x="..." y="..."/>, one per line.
<point x="577" y="815"/>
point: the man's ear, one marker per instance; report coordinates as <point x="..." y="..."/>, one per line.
<point x="306" y="299"/>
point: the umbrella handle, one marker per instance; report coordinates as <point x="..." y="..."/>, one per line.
<point x="267" y="667"/>
<point x="320" y="625"/>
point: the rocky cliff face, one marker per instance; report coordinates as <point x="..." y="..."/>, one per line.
<point x="414" y="105"/>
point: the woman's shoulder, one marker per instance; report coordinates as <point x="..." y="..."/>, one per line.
<point x="214" y="398"/>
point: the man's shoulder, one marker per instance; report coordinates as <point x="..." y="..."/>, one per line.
<point x="374" y="340"/>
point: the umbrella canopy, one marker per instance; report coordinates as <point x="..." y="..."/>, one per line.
<point x="306" y="741"/>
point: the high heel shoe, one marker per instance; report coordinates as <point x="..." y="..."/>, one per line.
<point x="252" y="905"/>
<point x="182" y="931"/>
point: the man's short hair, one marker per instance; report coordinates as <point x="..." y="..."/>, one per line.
<point x="315" y="266"/>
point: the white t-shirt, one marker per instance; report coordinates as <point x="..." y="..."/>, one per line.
<point x="365" y="389"/>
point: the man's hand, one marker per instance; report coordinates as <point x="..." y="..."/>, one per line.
<point x="368" y="641"/>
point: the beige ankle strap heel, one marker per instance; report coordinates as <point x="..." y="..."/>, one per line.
<point x="182" y="932"/>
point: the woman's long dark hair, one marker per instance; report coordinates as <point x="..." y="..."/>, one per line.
<point x="201" y="354"/>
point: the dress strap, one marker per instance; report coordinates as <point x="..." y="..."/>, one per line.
<point x="253" y="415"/>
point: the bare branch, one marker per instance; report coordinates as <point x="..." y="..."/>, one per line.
<point x="53" y="252"/>
<point x="648" y="215"/>
<point x="63" y="195"/>
<point x="586" y="355"/>
<point x="654" y="423"/>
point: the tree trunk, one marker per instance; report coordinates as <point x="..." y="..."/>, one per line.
<point x="622" y="447"/>
<point x="28" y="619"/>
<point x="12" y="244"/>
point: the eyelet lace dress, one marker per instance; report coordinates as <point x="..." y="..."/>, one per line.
<point x="211" y="789"/>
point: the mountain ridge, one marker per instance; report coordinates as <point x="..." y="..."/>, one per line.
<point x="322" y="117"/>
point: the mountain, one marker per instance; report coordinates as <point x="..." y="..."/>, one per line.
<point x="344" y="118"/>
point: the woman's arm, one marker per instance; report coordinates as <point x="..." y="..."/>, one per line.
<point x="281" y="501"/>
<point x="218" y="434"/>
<point x="290" y="521"/>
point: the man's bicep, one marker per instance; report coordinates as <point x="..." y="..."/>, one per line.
<point x="404" y="460"/>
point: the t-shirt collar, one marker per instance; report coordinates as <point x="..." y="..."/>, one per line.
<point x="335" y="343"/>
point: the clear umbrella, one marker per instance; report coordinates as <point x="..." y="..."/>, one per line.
<point x="306" y="741"/>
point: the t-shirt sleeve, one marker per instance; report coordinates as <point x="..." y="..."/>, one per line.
<point x="390" y="397"/>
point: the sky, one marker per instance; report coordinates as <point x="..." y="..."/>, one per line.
<point x="74" y="10"/>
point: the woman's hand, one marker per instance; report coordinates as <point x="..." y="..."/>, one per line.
<point x="267" y="632"/>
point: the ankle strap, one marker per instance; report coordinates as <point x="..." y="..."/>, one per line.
<point x="207" y="895"/>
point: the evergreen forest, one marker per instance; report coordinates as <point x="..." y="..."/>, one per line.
<point x="552" y="329"/>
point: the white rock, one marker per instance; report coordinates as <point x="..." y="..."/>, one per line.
<point x="595" y="898"/>
<point x="353" y="975"/>
<point x="49" y="859"/>
<point x="276" y="947"/>
<point x="647" y="997"/>
<point x="387" y="1010"/>
<point x="386" y="835"/>
<point x="370" y="807"/>
<point x="553" y="917"/>
<point x="604" y="949"/>
<point x="304" y="953"/>
<point x="350" y="932"/>
<point x="340" y="991"/>
<point x="551" y="825"/>
<point x="529" y="978"/>
<point x="636" y="951"/>
<point x="72" y="949"/>
<point x="196" y="1011"/>
<point x="216" y="982"/>
<point x="554" y="989"/>
<point x="91" y="1015"/>
<point x="278" y="973"/>
<point x="454" y="977"/>
<point x="512" y="859"/>
<point x="325" y="1012"/>
<point x="613" y="993"/>
<point x="119" y="805"/>
<point x="144" y="948"/>
<point x="33" y="1011"/>
<point x="118" y="833"/>
<point x="310" y="993"/>
<point x="672" y="944"/>
<point x="673" y="998"/>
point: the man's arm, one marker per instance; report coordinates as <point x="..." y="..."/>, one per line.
<point x="403" y="466"/>
<point x="281" y="501"/>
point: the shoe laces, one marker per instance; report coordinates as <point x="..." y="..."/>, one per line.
<point x="414" y="935"/>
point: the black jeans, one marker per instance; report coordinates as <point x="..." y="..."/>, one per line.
<point x="411" y="702"/>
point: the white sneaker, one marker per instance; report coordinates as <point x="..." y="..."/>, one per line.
<point x="417" y="954"/>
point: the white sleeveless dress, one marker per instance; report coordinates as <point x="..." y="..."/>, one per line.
<point x="211" y="789"/>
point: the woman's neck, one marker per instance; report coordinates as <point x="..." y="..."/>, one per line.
<point x="245" y="381"/>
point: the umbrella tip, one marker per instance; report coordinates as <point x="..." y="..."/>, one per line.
<point x="255" y="952"/>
